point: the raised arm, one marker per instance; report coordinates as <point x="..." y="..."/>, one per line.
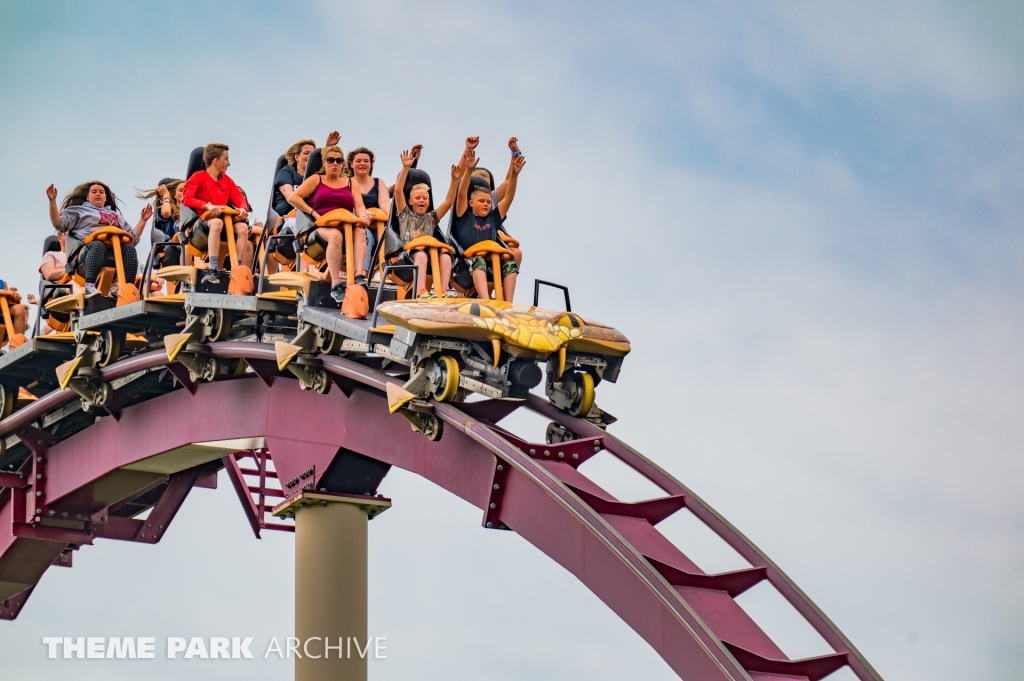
<point x="469" y="161"/>
<point x="453" y="187"/>
<point x="513" y="145"/>
<point x="513" y="180"/>
<point x="140" y="226"/>
<point x="303" y="192"/>
<point x="165" y="202"/>
<point x="407" y="161"/>
<point x="51" y="194"/>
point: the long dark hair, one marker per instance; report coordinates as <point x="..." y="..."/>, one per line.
<point x="78" y="195"/>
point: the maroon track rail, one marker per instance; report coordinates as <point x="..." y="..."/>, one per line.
<point x="690" y="618"/>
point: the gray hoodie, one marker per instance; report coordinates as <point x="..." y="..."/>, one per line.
<point x="81" y="221"/>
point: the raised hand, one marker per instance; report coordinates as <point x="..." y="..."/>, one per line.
<point x="407" y="158"/>
<point x="51" y="193"/>
<point x="471" y="162"/>
<point x="458" y="170"/>
<point x="147" y="212"/>
<point x="517" y="164"/>
<point x="32" y="300"/>
<point x="162" y="191"/>
<point x="417" y="149"/>
<point x="472" y="142"/>
<point x="333" y="138"/>
<point x="513" y="144"/>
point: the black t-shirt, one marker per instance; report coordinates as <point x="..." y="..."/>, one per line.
<point x="469" y="229"/>
<point x="287" y="175"/>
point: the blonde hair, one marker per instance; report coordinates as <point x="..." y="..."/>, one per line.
<point x="422" y="185"/>
<point x="294" y="150"/>
<point x="323" y="155"/>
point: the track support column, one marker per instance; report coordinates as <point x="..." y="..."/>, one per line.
<point x="331" y="583"/>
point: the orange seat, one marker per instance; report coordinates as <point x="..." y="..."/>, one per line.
<point x="336" y="217"/>
<point x="496" y="253"/>
<point x="8" y="298"/>
<point x="509" y="241"/>
<point x="339" y="217"/>
<point x="241" y="276"/>
<point x="114" y="237"/>
<point x="434" y="247"/>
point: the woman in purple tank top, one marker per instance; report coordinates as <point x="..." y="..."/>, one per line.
<point x="327" y="191"/>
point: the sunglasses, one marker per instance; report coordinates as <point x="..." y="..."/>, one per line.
<point x="332" y="160"/>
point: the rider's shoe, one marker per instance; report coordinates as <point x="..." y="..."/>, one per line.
<point x="338" y="293"/>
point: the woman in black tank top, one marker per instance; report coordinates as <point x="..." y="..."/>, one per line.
<point x="374" y="191"/>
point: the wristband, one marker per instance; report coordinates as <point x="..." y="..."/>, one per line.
<point x="516" y="153"/>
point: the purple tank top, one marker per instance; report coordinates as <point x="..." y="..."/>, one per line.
<point x="324" y="199"/>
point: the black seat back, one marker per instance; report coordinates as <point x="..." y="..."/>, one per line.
<point x="303" y="221"/>
<point x="314" y="163"/>
<point x="272" y="215"/>
<point x="195" y="163"/>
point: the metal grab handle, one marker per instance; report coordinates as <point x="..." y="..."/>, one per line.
<point x="154" y="250"/>
<point x="380" y="289"/>
<point x="266" y="254"/>
<point x="42" y="302"/>
<point x="536" y="292"/>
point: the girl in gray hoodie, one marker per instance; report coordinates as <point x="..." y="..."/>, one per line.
<point x="88" y="207"/>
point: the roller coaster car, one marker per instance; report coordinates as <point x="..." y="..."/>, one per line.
<point x="196" y="240"/>
<point x="312" y="248"/>
<point x="102" y="328"/>
<point x="456" y="346"/>
<point x="229" y="308"/>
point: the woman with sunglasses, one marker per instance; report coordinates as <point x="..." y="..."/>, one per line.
<point x="329" y="190"/>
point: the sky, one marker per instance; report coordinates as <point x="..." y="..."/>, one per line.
<point x="806" y="217"/>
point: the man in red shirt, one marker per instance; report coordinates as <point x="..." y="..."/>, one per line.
<point x="209" y="190"/>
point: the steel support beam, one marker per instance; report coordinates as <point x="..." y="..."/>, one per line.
<point x="331" y="603"/>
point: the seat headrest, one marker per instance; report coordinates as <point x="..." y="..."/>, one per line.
<point x="475" y="181"/>
<point x="415" y="177"/>
<point x="490" y="177"/>
<point x="51" y="243"/>
<point x="195" y="162"/>
<point x="282" y="161"/>
<point x="314" y="163"/>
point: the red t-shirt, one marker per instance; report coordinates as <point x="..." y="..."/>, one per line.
<point x="201" y="189"/>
